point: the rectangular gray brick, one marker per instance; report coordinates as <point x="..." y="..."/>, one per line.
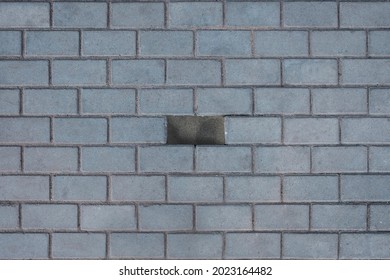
<point x="79" y="72"/>
<point x="79" y="188"/>
<point x="11" y="42"/>
<point x="380" y="217"/>
<point x="282" y="101"/>
<point x="310" y="71"/>
<point x="28" y="73"/>
<point x="311" y="131"/>
<point x="365" y="71"/>
<point x="138" y="72"/>
<point x="24" y="246"/>
<point x="364" y="15"/>
<point x="70" y="14"/>
<point x="138" y="188"/>
<point x="9" y="216"/>
<point x="108" y="217"/>
<point x="194" y="246"/>
<point x="379" y="159"/>
<point x="365" y="130"/>
<point x="78" y="245"/>
<point x="339" y="159"/>
<point x="339" y="101"/>
<point x="44" y="216"/>
<point x="137" y="245"/>
<point x="108" y="101"/>
<point x="80" y="130"/>
<point x="256" y="246"/>
<point x="165" y="217"/>
<point x="10" y="159"/>
<point x="281" y="217"/>
<point x="108" y="43"/>
<point x="223" y="159"/>
<point x="9" y="102"/>
<point x="25" y="130"/>
<point x="166" y="43"/>
<point x="252" y="72"/>
<point x="223" y="217"/>
<point x="364" y="246"/>
<point x="223" y="43"/>
<point x="310" y="189"/>
<point x="309" y="246"/>
<point x="281" y="43"/>
<point x="310" y="14"/>
<point x="24" y="15"/>
<point x="50" y="101"/>
<point x="138" y="130"/>
<point x="195" y="14"/>
<point x="137" y="15"/>
<point x="166" y="158"/>
<point x="24" y="188"/>
<point x="378" y="43"/>
<point x="365" y="188"/>
<point x="241" y="130"/>
<point x="379" y="101"/>
<point x="52" y="43"/>
<point x="50" y="159"/>
<point x="195" y="189"/>
<point x="282" y="159"/>
<point x="108" y="159"/>
<point x="194" y="72"/>
<point x="252" y="14"/>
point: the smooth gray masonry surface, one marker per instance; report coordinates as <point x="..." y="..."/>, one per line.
<point x="85" y="89"/>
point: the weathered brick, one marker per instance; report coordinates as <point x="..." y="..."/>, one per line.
<point x="19" y="73"/>
<point x="365" y="71"/>
<point x="138" y="72"/>
<point x="310" y="14"/>
<point x="80" y="130"/>
<point x="309" y="246"/>
<point x="24" y="130"/>
<point x="10" y="159"/>
<point x="223" y="217"/>
<point x="379" y="43"/>
<point x="193" y="72"/>
<point x="76" y="188"/>
<point x="166" y="43"/>
<point x="195" y="14"/>
<point x="24" y="246"/>
<point x="24" y="188"/>
<point x="364" y="14"/>
<point x="50" y="102"/>
<point x="108" y="159"/>
<point x="379" y="217"/>
<point x="365" y="130"/>
<point x="379" y="101"/>
<point x="52" y="43"/>
<point x="252" y="14"/>
<point x="24" y="15"/>
<point x="108" y="43"/>
<point x="137" y="245"/>
<point x="338" y="43"/>
<point x="281" y="43"/>
<point x="281" y="217"/>
<point x="9" y="102"/>
<point x="108" y="217"/>
<point x="194" y="246"/>
<point x="9" y="216"/>
<point x="70" y="14"/>
<point x="379" y="159"/>
<point x="11" y="42"/>
<point x="50" y="159"/>
<point x="137" y="15"/>
<point x="364" y="246"/>
<point x="365" y="188"/>
<point x="44" y="216"/>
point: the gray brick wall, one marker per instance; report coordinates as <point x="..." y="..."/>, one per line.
<point x="85" y="89"/>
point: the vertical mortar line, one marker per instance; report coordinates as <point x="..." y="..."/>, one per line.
<point x="81" y="43"/>
<point x="194" y="43"/>
<point x="282" y="120"/>
<point x="165" y="71"/>
<point x="136" y="159"/>
<point x="78" y="217"/>
<point x="368" y="100"/>
<point x="137" y="43"/>
<point x="194" y="156"/>
<point x="309" y="42"/>
<point x="223" y="245"/>
<point x="253" y="215"/>
<point x="281" y="13"/>
<point x="252" y="42"/>
<point x="136" y="214"/>
<point x="108" y="243"/>
<point x="79" y="105"/>
<point x="224" y="189"/>
<point x="338" y="245"/>
<point x="195" y="101"/>
<point x="253" y="163"/>
<point x="51" y="14"/>
<point x="50" y="187"/>
<point x="338" y="14"/>
<point x="21" y="92"/>
<point x="165" y="245"/>
<point x="311" y="101"/>
<point x="109" y="10"/>
<point x="22" y="159"/>
<point x="166" y="187"/>
<point x="281" y="72"/>
<point x="310" y="210"/>
<point x="367" y="42"/>
<point x="166" y="13"/>
<point x="108" y="72"/>
<point x="137" y="111"/>
<point x="193" y="217"/>
<point x="224" y="12"/>
<point x="253" y="99"/>
<point x="223" y="71"/>
<point x="340" y="131"/>
<point x="50" y="72"/>
<point x="311" y="158"/>
<point x="50" y="250"/>
<point x="338" y="71"/>
<point x="51" y="129"/>
<point x="108" y="188"/>
<point x="368" y="216"/>
<point x="339" y="186"/>
<point x="79" y="162"/>
<point x="281" y="187"/>
<point x="24" y="44"/>
<point x="281" y="245"/>
<point x="108" y="120"/>
<point x="368" y="158"/>
<point x="20" y="215"/>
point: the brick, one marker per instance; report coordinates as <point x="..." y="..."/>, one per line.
<point x="78" y="245"/>
<point x="24" y="130"/>
<point x="282" y="101"/>
<point x="281" y="43"/>
<point x="339" y="101"/>
<point x="92" y="15"/>
<point x="138" y="72"/>
<point x="309" y="246"/>
<point x="223" y="159"/>
<point x="50" y="101"/>
<point x="24" y="188"/>
<point x="379" y="101"/>
<point x="11" y="42"/>
<point x="252" y="245"/>
<point x="365" y="71"/>
<point x="160" y="159"/>
<point x="24" y="246"/>
<point x="108" y="43"/>
<point x="24" y="15"/>
<point x="9" y="102"/>
<point x="79" y="188"/>
<point x="364" y="246"/>
<point x="253" y="189"/>
<point x="195" y="14"/>
<point x="137" y="245"/>
<point x="137" y="15"/>
<point x="379" y="159"/>
<point x="108" y="159"/>
<point x="195" y="189"/>
<point x="166" y="101"/>
<point x="241" y="130"/>
<point x="252" y="14"/>
<point x="311" y="131"/>
<point x="252" y="72"/>
<point x="52" y="43"/>
<point x="364" y="15"/>
<point x="365" y="188"/>
<point x="138" y="188"/>
<point x="310" y="72"/>
<point x="379" y="43"/>
<point x="282" y="159"/>
<point x="365" y="130"/>
<point x="9" y="217"/>
<point x="80" y="130"/>
<point x="194" y="72"/>
<point x="79" y="72"/>
<point x="28" y="73"/>
<point x="108" y="217"/>
<point x="108" y="101"/>
<point x="43" y="216"/>
<point x="138" y="130"/>
<point x="223" y="43"/>
<point x="10" y="159"/>
<point x="310" y="14"/>
<point x="338" y="43"/>
<point x="166" y="43"/>
<point x="379" y="217"/>
<point x="224" y="217"/>
<point x="310" y="189"/>
<point x="50" y="159"/>
<point x="165" y="217"/>
<point x="194" y="246"/>
<point x="281" y="217"/>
